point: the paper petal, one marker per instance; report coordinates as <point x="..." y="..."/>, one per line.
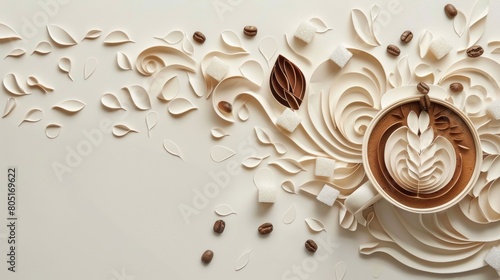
<point x="289" y="187"/>
<point x="218" y="133"/>
<point x="198" y="85"/>
<point x="139" y="96"/>
<point x="172" y="148"/>
<point x="262" y="135"/>
<point x="224" y="210"/>
<point x="123" y="61"/>
<point x="363" y="29"/>
<point x="268" y="47"/>
<point x="187" y="46"/>
<point x="9" y="106"/>
<point x="11" y="84"/>
<point x="315" y="225"/>
<point x="32" y="81"/>
<point x="290" y="215"/>
<point x="170" y="89"/>
<point x="121" y="130"/>
<point x="70" y="106"/>
<point x="220" y="153"/>
<point x="43" y="48"/>
<point x="231" y="39"/>
<point x="243" y="113"/>
<point x="60" y="36"/>
<point x="110" y="101"/>
<point x="90" y="67"/>
<point x="151" y="121"/>
<point x="180" y="106"/>
<point x="117" y="37"/>
<point x="7" y="33"/>
<point x="320" y="25"/>
<point x="460" y="23"/>
<point x="288" y="165"/>
<point x="242" y="261"/>
<point x="92" y="34"/>
<point x="253" y="161"/>
<point x="16" y="53"/>
<point x="33" y="115"/>
<point x="173" y="37"/>
<point x="424" y="42"/>
<point x="65" y="66"/>
<point x="253" y="71"/>
<point x="53" y="130"/>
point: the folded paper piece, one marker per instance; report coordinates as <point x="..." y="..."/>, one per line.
<point x="341" y="56"/>
<point x="440" y="47"/>
<point x="328" y="195"/>
<point x="217" y="69"/>
<point x="305" y="32"/>
<point x="288" y="120"/>
<point x="493" y="110"/>
<point x="324" y="167"/>
<point x="493" y="258"/>
<point x="287" y="83"/>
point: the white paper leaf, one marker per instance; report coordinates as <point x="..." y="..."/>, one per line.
<point x="123" y="61"/>
<point x="139" y="96"/>
<point x="315" y="225"/>
<point x="253" y="71"/>
<point x="290" y="215"/>
<point x="172" y="148"/>
<point x="60" y="36"/>
<point x="32" y="81"/>
<point x="33" y="115"/>
<point x="242" y="261"/>
<point x="70" y="106"/>
<point x="180" y="106"/>
<point x="173" y="37"/>
<point x="288" y="165"/>
<point x="320" y="25"/>
<point x="460" y="23"/>
<point x="220" y="153"/>
<point x="110" y="101"/>
<point x="224" y="210"/>
<point x="423" y="70"/>
<point x="9" y="106"/>
<point x="280" y="148"/>
<point x="340" y="270"/>
<point x="65" y="66"/>
<point x="218" y="133"/>
<point x="151" y="121"/>
<point x="476" y="31"/>
<point x="289" y="187"/>
<point x="264" y="177"/>
<point x="16" y="53"/>
<point x="490" y="144"/>
<point x="170" y="89"/>
<point x="7" y="33"/>
<point x="117" y="37"/>
<point x="374" y="11"/>
<point x="53" y="130"/>
<point x="243" y="113"/>
<point x="263" y="136"/>
<point x="424" y="42"/>
<point x="43" y="48"/>
<point x="198" y="85"/>
<point x="121" y="130"/>
<point x="494" y="171"/>
<point x="268" y="47"/>
<point x="90" y="67"/>
<point x="11" y="84"/>
<point x="363" y="29"/>
<point x="231" y="39"/>
<point x="253" y="161"/>
<point x="479" y="11"/>
<point x="404" y="72"/>
<point x="187" y="46"/>
<point x="93" y="34"/>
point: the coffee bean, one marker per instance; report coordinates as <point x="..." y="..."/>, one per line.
<point x="450" y="10"/>
<point x="311" y="246"/>
<point x="250" y="30"/>
<point x="393" y="50"/>
<point x="456" y="87"/>
<point x="199" y="37"/>
<point x="265" y="228"/>
<point x="219" y="226"/>
<point x="407" y="36"/>
<point x="225" y="106"/>
<point x="475" y="51"/>
<point x="423" y="88"/>
<point x="207" y="256"/>
<point x="425" y="102"/>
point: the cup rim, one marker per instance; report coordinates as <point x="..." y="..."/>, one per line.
<point x="450" y="203"/>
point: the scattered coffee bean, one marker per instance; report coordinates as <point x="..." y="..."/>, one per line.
<point x="311" y="246"/>
<point x="199" y="37"/>
<point x="423" y="88"/>
<point x="219" y="226"/>
<point x="456" y="87"/>
<point x="425" y="102"/>
<point x="407" y="36"/>
<point x="207" y="256"/>
<point x="450" y="10"/>
<point x="250" y="30"/>
<point x="225" y="106"/>
<point x="475" y="51"/>
<point x="265" y="228"/>
<point x="393" y="50"/>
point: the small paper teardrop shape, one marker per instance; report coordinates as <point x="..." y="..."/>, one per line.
<point x="320" y="25"/>
<point x="262" y="135"/>
<point x="70" y="106"/>
<point x="289" y="187"/>
<point x="151" y="121"/>
<point x="224" y="210"/>
<point x="340" y="270"/>
<point x="180" y="106"/>
<point x="253" y="71"/>
<point x="9" y="106"/>
<point x="423" y="70"/>
<point x="139" y="96"/>
<point x="280" y="148"/>
<point x="117" y="37"/>
<point x="231" y="39"/>
<point x="242" y="261"/>
<point x="244" y="113"/>
<point x="53" y="130"/>
<point x="65" y="66"/>
<point x="374" y="11"/>
<point x="219" y="133"/>
<point x="93" y="34"/>
<point x="187" y="46"/>
<point x="362" y="27"/>
<point x="12" y="85"/>
<point x="288" y="165"/>
<point x="172" y="148"/>
<point x="123" y="61"/>
<point x="33" y="115"/>
<point x="315" y="225"/>
<point x="16" y="53"/>
<point x="170" y="89"/>
<point x="253" y="161"/>
<point x="7" y="33"/>
<point x="173" y="37"/>
<point x="198" y="85"/>
<point x="121" y="130"/>
<point x="43" y="48"/>
<point x="290" y="215"/>
<point x="90" y="66"/>
<point x="220" y="153"/>
<point x="60" y="36"/>
<point x="268" y="47"/>
<point x="110" y="101"/>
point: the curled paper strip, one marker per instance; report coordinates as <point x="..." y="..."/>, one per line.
<point x="287" y="83"/>
<point x="7" y="33"/>
<point x="60" y="36"/>
<point x="121" y="130"/>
